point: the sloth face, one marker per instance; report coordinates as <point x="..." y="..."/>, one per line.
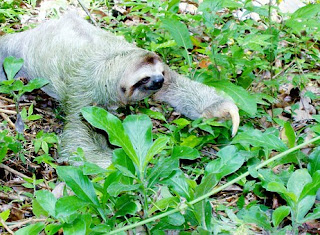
<point x="146" y="78"/>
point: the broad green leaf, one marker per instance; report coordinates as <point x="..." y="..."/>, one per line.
<point x="163" y="168"/>
<point x="116" y="188"/>
<point x="207" y="184"/>
<point x="291" y="136"/>
<point x="69" y="205"/>
<point x="38" y="210"/>
<point x="279" y="214"/>
<point x="312" y="216"/>
<point x="243" y="99"/>
<point x="314" y="161"/>
<point x="303" y="207"/>
<point x="47" y="201"/>
<point x="311" y="188"/>
<point x="153" y="114"/>
<point x="52" y="229"/>
<point x="179" y="183"/>
<point x="278" y="187"/>
<point x="298" y="180"/>
<point x="185" y="152"/>
<point x="163" y="204"/>
<point x="123" y="163"/>
<point x="4" y="215"/>
<point x="138" y="128"/>
<point x="12" y="66"/>
<point x="102" y="119"/>
<point x="308" y="11"/>
<point x="230" y="160"/>
<point x="255" y="215"/>
<point x="80" y="185"/>
<point x="35" y="84"/>
<point x="258" y="139"/>
<point x="32" y="229"/>
<point x="77" y="227"/>
<point x="127" y="207"/>
<point x="178" y="31"/>
<point x="157" y="146"/>
<point x="175" y="219"/>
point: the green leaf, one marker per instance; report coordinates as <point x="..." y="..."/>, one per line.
<point x="163" y="168"/>
<point x="116" y="188"/>
<point x="80" y="185"/>
<point x="52" y="229"/>
<point x="31" y="229"/>
<point x="243" y="99"/>
<point x="303" y="207"/>
<point x="185" y="152"/>
<point x="179" y="183"/>
<point x="255" y="215"/>
<point x="279" y="214"/>
<point x="12" y="66"/>
<point x="4" y="215"/>
<point x="77" y="227"/>
<point x="69" y="205"/>
<point x="178" y="31"/>
<point x="230" y="160"/>
<point x="314" y="161"/>
<point x="154" y="114"/>
<point x="35" y="84"/>
<point x="311" y="188"/>
<point x="163" y="204"/>
<point x="47" y="201"/>
<point x="156" y="148"/>
<point x="126" y="208"/>
<point x="312" y="216"/>
<point x="298" y="180"/>
<point x="207" y="184"/>
<point x="138" y="128"/>
<point x="258" y="139"/>
<point x="102" y="119"/>
<point x="290" y="134"/>
<point x="306" y="12"/>
<point x="278" y="187"/>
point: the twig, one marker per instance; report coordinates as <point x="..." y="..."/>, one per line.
<point x="14" y="171"/>
<point x="20" y="223"/>
<point x="13" y="105"/>
<point x="5" y="117"/>
<point x="284" y="69"/>
<point x="7" y="99"/>
<point x="13" y="197"/>
<point x="6" y="226"/>
<point x="7" y="111"/>
<point x="87" y="12"/>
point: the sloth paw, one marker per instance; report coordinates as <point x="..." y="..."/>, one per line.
<point x="224" y="110"/>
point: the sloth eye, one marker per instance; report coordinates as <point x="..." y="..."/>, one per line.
<point x="163" y="73"/>
<point x="144" y="80"/>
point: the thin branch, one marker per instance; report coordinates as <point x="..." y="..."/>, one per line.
<point x="88" y="13"/>
<point x="6" y="226"/>
<point x="5" y="117"/>
<point x="20" y="223"/>
<point x="7" y="111"/>
<point x="14" y="171"/>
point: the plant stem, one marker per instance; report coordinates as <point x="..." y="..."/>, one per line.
<point x="214" y="191"/>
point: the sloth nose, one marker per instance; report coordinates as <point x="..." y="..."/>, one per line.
<point x="156" y="82"/>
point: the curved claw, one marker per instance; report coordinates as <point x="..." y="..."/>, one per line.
<point x="224" y="110"/>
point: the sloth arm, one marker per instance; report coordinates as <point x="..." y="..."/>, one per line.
<point x="78" y="134"/>
<point x="195" y="100"/>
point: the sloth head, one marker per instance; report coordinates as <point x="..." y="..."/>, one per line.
<point x="142" y="78"/>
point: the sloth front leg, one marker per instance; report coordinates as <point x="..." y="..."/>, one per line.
<point x="195" y="100"/>
<point x="94" y="145"/>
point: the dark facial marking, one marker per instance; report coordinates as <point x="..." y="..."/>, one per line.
<point x="123" y="89"/>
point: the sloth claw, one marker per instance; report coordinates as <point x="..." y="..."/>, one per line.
<point x="224" y="110"/>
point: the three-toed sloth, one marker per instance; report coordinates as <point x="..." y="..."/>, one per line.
<point x="87" y="65"/>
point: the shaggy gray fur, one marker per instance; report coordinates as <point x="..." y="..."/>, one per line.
<point x="87" y="65"/>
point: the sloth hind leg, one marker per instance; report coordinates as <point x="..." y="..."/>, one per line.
<point x="94" y="145"/>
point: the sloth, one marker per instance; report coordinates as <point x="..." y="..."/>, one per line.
<point x="87" y="65"/>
